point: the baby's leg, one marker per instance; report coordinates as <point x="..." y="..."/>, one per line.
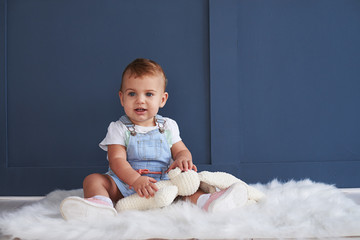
<point x="100" y="191"/>
<point x="194" y="198"/>
<point x="101" y="185"/>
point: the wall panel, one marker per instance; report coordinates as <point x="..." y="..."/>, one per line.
<point x="260" y="89"/>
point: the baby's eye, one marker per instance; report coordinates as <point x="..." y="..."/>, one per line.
<point x="131" y="94"/>
<point x="149" y="94"/>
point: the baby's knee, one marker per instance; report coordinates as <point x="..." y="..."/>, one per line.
<point x="92" y="178"/>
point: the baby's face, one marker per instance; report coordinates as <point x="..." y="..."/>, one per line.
<point x="142" y="97"/>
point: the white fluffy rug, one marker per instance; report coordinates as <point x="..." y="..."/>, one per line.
<point x="291" y="210"/>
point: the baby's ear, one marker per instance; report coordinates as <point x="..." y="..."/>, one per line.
<point x="164" y="98"/>
<point x="121" y="96"/>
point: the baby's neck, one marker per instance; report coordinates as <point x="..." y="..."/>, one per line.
<point x="145" y="124"/>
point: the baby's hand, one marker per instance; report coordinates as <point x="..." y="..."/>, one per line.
<point x="145" y="186"/>
<point x="184" y="164"/>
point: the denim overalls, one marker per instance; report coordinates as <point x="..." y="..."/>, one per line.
<point x="146" y="152"/>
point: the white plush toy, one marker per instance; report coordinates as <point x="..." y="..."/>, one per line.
<point x="184" y="184"/>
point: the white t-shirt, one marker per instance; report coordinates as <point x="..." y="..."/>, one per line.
<point x="119" y="134"/>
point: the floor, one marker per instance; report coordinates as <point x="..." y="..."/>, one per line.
<point x="8" y="204"/>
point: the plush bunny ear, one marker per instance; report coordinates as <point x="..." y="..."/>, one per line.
<point x="221" y="180"/>
<point x="163" y="197"/>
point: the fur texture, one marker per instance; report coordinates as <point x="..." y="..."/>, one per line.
<point x="290" y="210"/>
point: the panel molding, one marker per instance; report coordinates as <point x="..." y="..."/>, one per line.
<point x="52" y="175"/>
<point x="3" y="84"/>
<point x="229" y="150"/>
<point x="224" y="96"/>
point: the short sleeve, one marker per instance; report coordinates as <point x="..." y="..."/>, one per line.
<point x="172" y="126"/>
<point x="116" y="135"/>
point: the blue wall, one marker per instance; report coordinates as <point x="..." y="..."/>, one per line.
<point x="260" y="89"/>
<point x="299" y="73"/>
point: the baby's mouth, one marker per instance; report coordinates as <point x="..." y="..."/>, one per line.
<point x="140" y="109"/>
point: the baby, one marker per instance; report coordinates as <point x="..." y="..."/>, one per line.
<point x="142" y="147"/>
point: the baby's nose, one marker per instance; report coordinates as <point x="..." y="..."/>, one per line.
<point x="140" y="99"/>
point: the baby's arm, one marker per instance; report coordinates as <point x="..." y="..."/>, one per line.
<point x="182" y="157"/>
<point x="144" y="186"/>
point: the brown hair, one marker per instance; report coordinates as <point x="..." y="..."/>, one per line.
<point x="143" y="67"/>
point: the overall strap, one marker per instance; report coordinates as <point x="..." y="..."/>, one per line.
<point x="161" y="123"/>
<point x="131" y="127"/>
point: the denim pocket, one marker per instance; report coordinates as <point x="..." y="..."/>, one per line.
<point x="149" y="149"/>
